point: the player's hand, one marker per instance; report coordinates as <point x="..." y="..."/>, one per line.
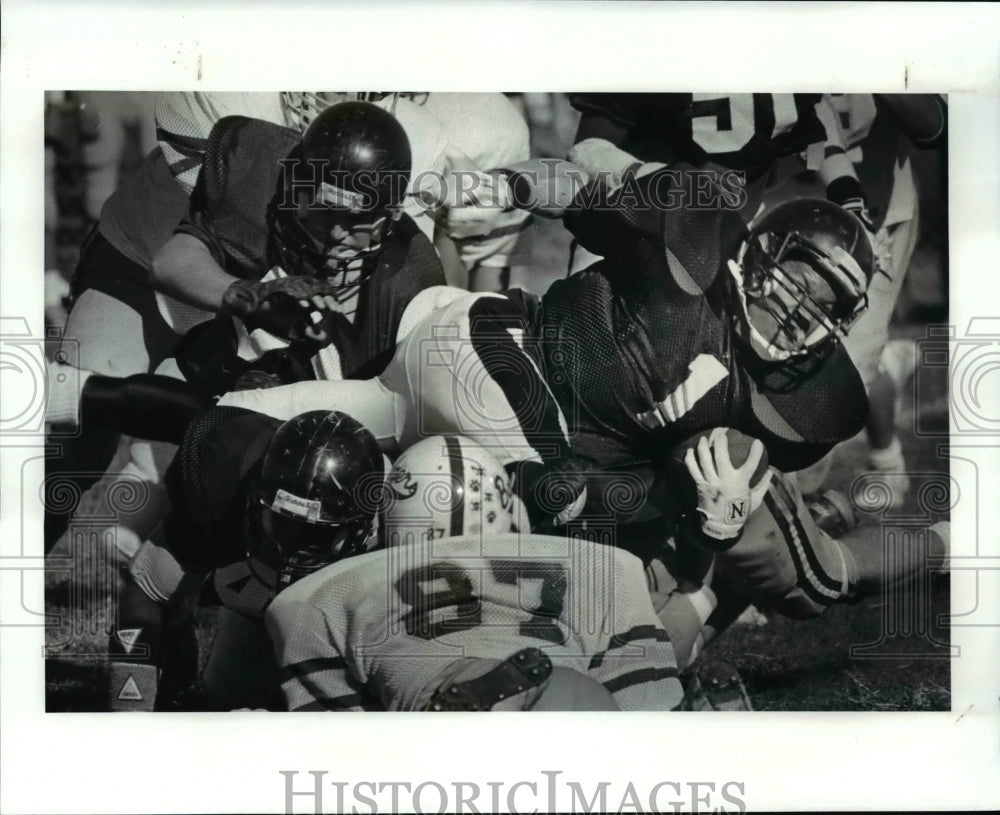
<point x="602" y="161"/>
<point x="725" y="498"/>
<point x="293" y="308"/>
<point x="470" y="203"/>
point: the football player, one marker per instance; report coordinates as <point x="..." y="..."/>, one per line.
<point x="867" y="169"/>
<point x="113" y="298"/>
<point x="255" y="246"/>
<point x="459" y="613"/>
<point x="485" y="131"/>
<point x="691" y="323"/>
<point x="256" y="503"/>
<point x="448" y="132"/>
<point x="745" y="132"/>
<point x="737" y="139"/>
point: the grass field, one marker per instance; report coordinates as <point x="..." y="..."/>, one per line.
<point x="887" y="653"/>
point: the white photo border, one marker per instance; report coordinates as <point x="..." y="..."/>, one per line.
<point x="232" y="762"/>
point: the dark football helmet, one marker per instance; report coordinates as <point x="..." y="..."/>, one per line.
<point x="316" y="497"/>
<point x="801" y="278"/>
<point x="301" y="107"/>
<point x="341" y="191"/>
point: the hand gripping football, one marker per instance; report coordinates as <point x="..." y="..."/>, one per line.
<point x="710" y="475"/>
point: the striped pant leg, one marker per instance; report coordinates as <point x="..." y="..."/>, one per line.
<point x="784" y="562"/>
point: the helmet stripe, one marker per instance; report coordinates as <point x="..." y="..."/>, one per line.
<point x="454" y="452"/>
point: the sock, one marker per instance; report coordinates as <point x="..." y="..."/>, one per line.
<point x="63" y="387"/>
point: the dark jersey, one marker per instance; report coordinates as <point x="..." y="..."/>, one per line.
<point x="239" y="177"/>
<point x="739" y="131"/>
<point x="143" y="212"/>
<point x="641" y="353"/>
<point x="207" y="483"/>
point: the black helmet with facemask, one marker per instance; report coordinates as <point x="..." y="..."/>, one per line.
<point x="340" y="193"/>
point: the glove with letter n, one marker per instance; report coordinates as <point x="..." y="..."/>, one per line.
<point x="296" y="309"/>
<point x="726" y="494"/>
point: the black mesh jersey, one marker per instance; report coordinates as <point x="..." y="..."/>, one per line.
<point x="640" y="353"/>
<point x="239" y="177"/>
<point x="207" y="482"/>
<point x="745" y="132"/>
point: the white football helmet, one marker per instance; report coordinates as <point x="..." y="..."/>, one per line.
<point x="444" y="486"/>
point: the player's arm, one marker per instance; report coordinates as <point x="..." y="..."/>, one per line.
<point x="836" y="170"/>
<point x="190" y="266"/>
<point x="186" y="269"/>
<point x="291" y="308"/>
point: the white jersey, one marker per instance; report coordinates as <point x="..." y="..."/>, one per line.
<point x="380" y="629"/>
<point x="489" y="130"/>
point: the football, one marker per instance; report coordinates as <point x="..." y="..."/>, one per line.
<point x="739" y="450"/>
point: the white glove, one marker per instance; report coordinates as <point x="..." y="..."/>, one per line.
<point x="725" y="497"/>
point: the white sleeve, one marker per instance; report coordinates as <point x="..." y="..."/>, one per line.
<point x="835" y="162"/>
<point x="368" y="401"/>
<point x="428" y="154"/>
<point x="486" y="127"/>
